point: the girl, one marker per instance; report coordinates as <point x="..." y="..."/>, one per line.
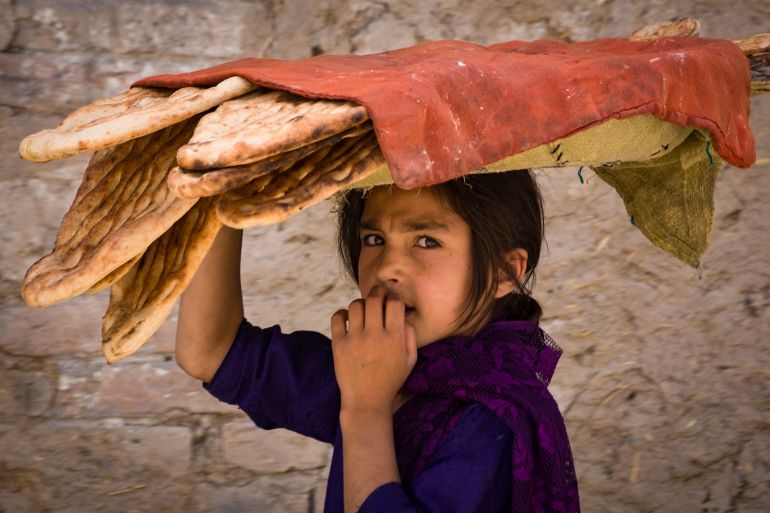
<point x="433" y="388"/>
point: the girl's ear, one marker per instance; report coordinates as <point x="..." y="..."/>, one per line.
<point x="517" y="260"/>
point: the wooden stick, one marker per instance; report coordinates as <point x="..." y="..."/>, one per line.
<point x="759" y="63"/>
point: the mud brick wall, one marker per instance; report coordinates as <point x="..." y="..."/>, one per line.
<point x="665" y="381"/>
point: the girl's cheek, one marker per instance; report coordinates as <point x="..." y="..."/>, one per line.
<point x="431" y="259"/>
<point x="363" y="274"/>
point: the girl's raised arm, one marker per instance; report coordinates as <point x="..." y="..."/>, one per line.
<point x="211" y="309"/>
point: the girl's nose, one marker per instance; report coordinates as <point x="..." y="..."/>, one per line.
<point x="390" y="265"/>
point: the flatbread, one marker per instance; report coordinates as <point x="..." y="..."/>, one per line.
<point x="114" y="276"/>
<point x="129" y="115"/>
<point x="685" y="27"/>
<point x="272" y="198"/>
<point x="262" y="124"/>
<point x="195" y="184"/>
<point x="758" y="43"/>
<point x="142" y="299"/>
<point x="122" y="205"/>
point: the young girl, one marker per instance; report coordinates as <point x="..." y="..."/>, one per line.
<point x="433" y="387"/>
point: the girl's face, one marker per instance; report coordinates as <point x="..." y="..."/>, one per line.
<point x="418" y="250"/>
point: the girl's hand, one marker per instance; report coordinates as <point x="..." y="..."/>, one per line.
<point x="374" y="351"/>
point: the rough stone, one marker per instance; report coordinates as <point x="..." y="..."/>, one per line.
<point x="658" y="388"/>
<point x="49" y="83"/>
<point x="272" y="452"/>
<point x="297" y="27"/>
<point x="41" y="332"/>
<point x="268" y="494"/>
<point x="384" y="33"/>
<point x="45" y="201"/>
<point x="68" y="25"/>
<point x="186" y="29"/>
<point x="25" y="392"/>
<point x="114" y="74"/>
<point x="164" y="387"/>
<point x="7" y="24"/>
<point x="718" y="19"/>
<point x="664" y="382"/>
<point x="26" y="81"/>
<point x="149" y="385"/>
<point x="317" y="275"/>
<point x="88" y="466"/>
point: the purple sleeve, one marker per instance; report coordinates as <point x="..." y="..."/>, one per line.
<point x="281" y="380"/>
<point x="470" y="472"/>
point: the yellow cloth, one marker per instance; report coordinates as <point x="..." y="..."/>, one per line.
<point x="671" y="198"/>
<point x="617" y="140"/>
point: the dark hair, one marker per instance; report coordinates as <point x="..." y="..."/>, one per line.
<point x="504" y="211"/>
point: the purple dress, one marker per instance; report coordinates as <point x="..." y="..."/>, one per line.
<point x="464" y="442"/>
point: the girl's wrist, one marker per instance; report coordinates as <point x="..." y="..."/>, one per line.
<point x="361" y="416"/>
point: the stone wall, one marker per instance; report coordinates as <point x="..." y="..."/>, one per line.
<point x="665" y="383"/>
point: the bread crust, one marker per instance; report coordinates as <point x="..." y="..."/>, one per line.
<point x="142" y="299"/>
<point x="129" y="115"/>
<point x="121" y="207"/>
<point x="194" y="184"/>
<point x="272" y="198"/>
<point x="262" y="124"/>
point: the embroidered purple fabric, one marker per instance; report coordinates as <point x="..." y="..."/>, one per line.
<point x="506" y="367"/>
<point x="447" y="429"/>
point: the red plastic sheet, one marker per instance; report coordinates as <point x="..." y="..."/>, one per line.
<point x="445" y="108"/>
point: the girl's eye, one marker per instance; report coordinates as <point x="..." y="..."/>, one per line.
<point x="427" y="242"/>
<point x="372" y="240"/>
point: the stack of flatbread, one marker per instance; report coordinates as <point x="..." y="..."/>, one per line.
<point x="163" y="178"/>
<point x="169" y="167"/>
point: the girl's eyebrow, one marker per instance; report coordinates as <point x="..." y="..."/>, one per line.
<point x="367" y="224"/>
<point x="410" y="225"/>
<point x="420" y="225"/>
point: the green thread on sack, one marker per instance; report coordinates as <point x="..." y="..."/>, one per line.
<point x="671" y="197"/>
